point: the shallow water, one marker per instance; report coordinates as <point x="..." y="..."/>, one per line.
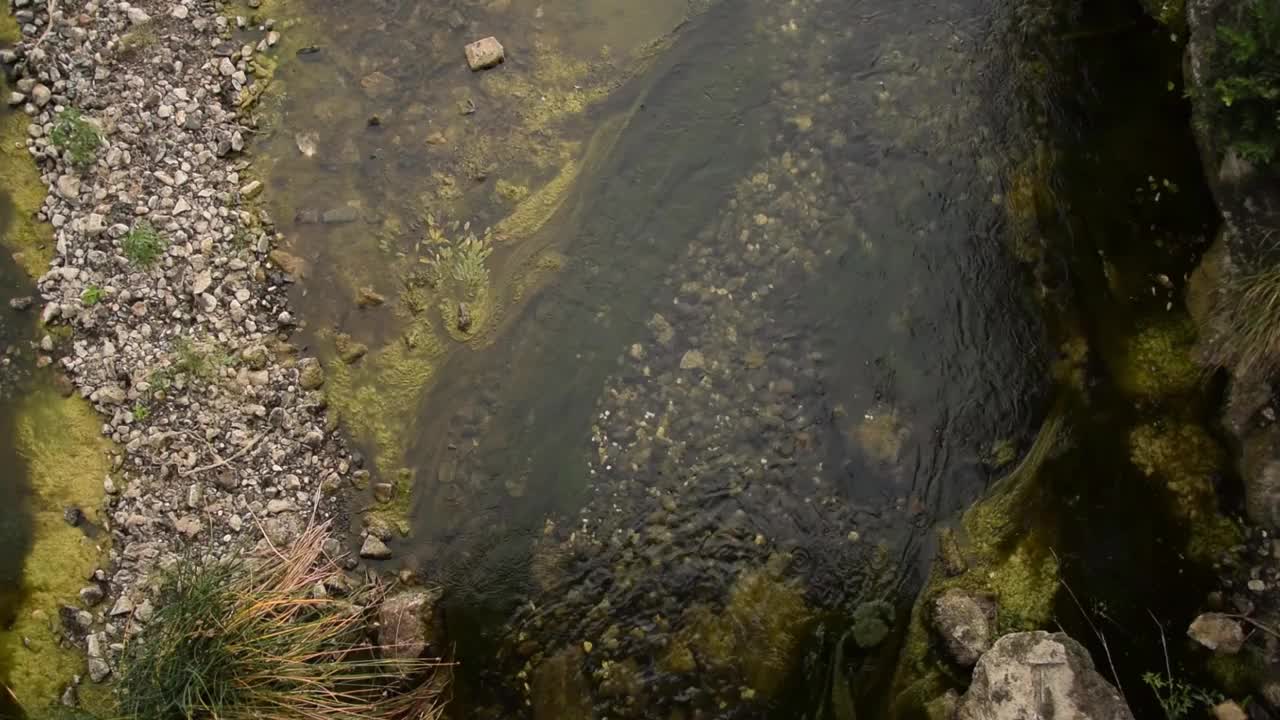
<point x="695" y="320"/>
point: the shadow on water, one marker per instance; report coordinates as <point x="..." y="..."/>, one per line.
<point x="1136" y="501"/>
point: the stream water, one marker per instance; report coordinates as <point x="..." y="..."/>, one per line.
<point x="672" y="339"/>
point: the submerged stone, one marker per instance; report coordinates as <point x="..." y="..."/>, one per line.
<point x="965" y="622"/>
<point x="374" y="549"/>
<point x="1217" y="632"/>
<point x="485" y="53"/>
<point x="406" y="626"/>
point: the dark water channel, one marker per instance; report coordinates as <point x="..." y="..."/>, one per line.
<point x="15" y="371"/>
<point x="814" y="278"/>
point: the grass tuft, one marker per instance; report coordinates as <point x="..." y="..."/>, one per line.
<point x="144" y="245"/>
<point x="76" y="137"/>
<point x="241" y="641"/>
<point x="1247" y="313"/>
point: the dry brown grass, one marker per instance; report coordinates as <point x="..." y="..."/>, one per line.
<point x="240" y="641"/>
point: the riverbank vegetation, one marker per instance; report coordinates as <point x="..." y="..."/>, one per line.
<point x="281" y="638"/>
<point x="1241" y="101"/>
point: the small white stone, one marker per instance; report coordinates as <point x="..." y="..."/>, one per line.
<point x="202" y="281"/>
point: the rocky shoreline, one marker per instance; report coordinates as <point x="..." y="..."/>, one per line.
<point x="225" y="445"/>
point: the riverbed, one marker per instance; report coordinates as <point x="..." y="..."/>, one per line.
<point x="671" y="340"/>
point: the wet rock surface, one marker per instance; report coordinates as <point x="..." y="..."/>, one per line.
<point x="1036" y="674"/>
<point x="407" y="623"/>
<point x="1217" y="632"/>
<point x="966" y="623"/>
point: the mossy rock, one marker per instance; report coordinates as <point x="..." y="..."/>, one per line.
<point x="754" y="638"/>
<point x="1157" y="362"/>
<point x="1184" y="459"/>
<point x="1237" y="675"/>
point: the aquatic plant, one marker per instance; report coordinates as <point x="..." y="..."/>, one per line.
<point x="468" y="264"/>
<point x="1245" y="310"/>
<point x="871" y="623"/>
<point x="143" y="245"/>
<point x="1178" y="698"/>
<point x="76" y="137"/>
<point x="754" y="637"/>
<point x="1242" y="104"/>
<point x="235" y="640"/>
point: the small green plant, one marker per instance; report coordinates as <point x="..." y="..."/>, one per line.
<point x="91" y="296"/>
<point x="200" y="361"/>
<point x="136" y="40"/>
<point x="143" y="245"/>
<point x="160" y="380"/>
<point x="254" y="640"/>
<point x="140" y="412"/>
<point x="1178" y="698"/>
<point x="76" y="137"/>
<point x="1244" y="99"/>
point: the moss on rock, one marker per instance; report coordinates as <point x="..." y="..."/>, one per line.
<point x="1156" y="362"/>
<point x="1004" y="556"/>
<point x="754" y="638"/>
<point x="1185" y="459"/>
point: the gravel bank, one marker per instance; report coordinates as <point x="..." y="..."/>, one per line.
<point x="162" y="271"/>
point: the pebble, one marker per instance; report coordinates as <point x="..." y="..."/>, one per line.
<point x="374" y="549"/>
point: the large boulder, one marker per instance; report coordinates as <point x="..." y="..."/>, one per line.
<point x="407" y="622"/>
<point x="1039" y="675"/>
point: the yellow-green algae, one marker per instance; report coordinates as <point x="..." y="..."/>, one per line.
<point x="1003" y="557"/>
<point x="755" y="636"/>
<point x="1156" y="362"/>
<point x="1184" y="459"/>
<point x="377" y="400"/>
<point x="66" y="457"/>
<point x="10" y="32"/>
<point x="29" y="240"/>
